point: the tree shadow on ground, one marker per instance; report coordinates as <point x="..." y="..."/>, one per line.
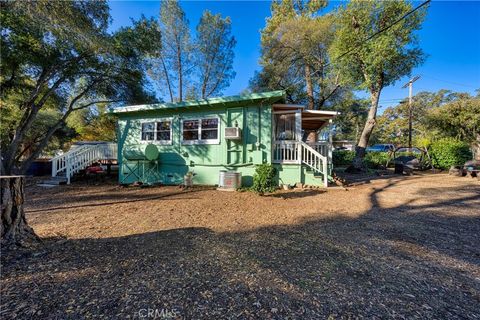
<point x="117" y="199"/>
<point x="409" y="261"/>
<point x="295" y="194"/>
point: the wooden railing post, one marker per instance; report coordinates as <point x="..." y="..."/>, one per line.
<point x="68" y="168"/>
<point x="299" y="153"/>
<point x="325" y="173"/>
<point x="54" y="168"/>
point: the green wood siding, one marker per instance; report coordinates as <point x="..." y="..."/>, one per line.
<point x="206" y="160"/>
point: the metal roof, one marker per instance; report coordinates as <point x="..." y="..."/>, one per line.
<point x="271" y="96"/>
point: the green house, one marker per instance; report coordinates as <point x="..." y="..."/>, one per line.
<point x="160" y="143"/>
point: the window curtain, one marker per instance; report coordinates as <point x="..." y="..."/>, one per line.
<point x="284" y="126"/>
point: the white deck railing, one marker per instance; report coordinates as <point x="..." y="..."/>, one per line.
<point x="316" y="156"/>
<point x="81" y="157"/>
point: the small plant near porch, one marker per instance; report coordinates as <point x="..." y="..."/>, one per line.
<point x="264" y="179"/>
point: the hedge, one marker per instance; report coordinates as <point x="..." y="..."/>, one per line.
<point x="377" y="160"/>
<point x="374" y="160"/>
<point x="449" y="152"/>
<point x="342" y="157"/>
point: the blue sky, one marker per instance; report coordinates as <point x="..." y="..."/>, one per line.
<point x="450" y="37"/>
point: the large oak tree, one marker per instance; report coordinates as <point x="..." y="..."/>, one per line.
<point x="59" y="56"/>
<point x="380" y="62"/>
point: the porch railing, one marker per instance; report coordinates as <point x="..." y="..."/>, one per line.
<point x="316" y="156"/>
<point x="286" y="152"/>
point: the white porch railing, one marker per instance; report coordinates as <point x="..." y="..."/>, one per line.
<point x="80" y="158"/>
<point x="315" y="156"/>
<point x="286" y="152"/>
<point x="321" y="147"/>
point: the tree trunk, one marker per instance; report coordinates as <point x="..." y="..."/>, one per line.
<point x="476" y="148"/>
<point x="14" y="228"/>
<point x="167" y="79"/>
<point x="308" y="81"/>
<point x="358" y="163"/>
<point x="180" y="73"/>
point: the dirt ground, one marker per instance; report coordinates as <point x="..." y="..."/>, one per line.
<point x="396" y="247"/>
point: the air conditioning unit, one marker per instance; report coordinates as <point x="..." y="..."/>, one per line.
<point x="233" y="133"/>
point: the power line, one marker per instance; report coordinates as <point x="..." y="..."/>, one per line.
<point x="372" y="36"/>
<point x="451" y="82"/>
<point x="383" y="29"/>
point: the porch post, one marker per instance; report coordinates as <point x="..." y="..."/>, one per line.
<point x="330" y="144"/>
<point x="298" y="134"/>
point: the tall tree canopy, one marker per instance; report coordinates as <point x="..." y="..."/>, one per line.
<point x="214" y="54"/>
<point x="175" y="63"/>
<point x="193" y="67"/>
<point x="379" y="62"/>
<point x="59" y="56"/>
<point x="295" y="44"/>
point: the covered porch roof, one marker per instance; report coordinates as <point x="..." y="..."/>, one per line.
<point x="311" y="119"/>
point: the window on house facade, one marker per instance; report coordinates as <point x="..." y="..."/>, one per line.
<point x="285" y="126"/>
<point x="148" y="131"/>
<point x="164" y="130"/>
<point x="190" y="130"/>
<point x="160" y="131"/>
<point x="200" y="131"/>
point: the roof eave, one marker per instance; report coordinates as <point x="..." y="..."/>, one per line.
<point x="273" y="96"/>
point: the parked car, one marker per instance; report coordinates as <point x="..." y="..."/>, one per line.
<point x="408" y="159"/>
<point x="381" y="148"/>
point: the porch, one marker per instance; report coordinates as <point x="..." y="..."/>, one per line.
<point x="303" y="137"/>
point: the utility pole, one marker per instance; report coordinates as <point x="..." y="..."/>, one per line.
<point x="410" y="101"/>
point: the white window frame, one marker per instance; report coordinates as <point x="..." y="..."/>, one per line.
<point x="155" y="141"/>
<point x="199" y="140"/>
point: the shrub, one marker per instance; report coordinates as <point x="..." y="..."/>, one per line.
<point x="264" y="179"/>
<point x="376" y="160"/>
<point x="342" y="157"/>
<point x="373" y="160"/>
<point x="449" y="152"/>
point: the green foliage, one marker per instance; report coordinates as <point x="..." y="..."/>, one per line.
<point x="353" y="113"/>
<point x="10" y="118"/>
<point x="175" y="60"/>
<point x="264" y="179"/>
<point x="214" y="54"/>
<point x="377" y="160"/>
<point x="387" y="57"/>
<point x="59" y="57"/>
<point x="95" y="125"/>
<point x="373" y="160"/>
<point x="342" y="157"/>
<point x="392" y="125"/>
<point x="449" y="152"/>
<point x="294" y="44"/>
<point x="458" y="118"/>
<point x="381" y="61"/>
<point x="192" y="68"/>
